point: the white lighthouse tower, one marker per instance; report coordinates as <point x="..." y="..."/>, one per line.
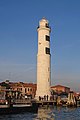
<point x="43" y="60"/>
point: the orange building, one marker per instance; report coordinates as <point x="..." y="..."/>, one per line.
<point x="26" y="89"/>
<point x="60" y="89"/>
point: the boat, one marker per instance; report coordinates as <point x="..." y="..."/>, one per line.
<point x="18" y="108"/>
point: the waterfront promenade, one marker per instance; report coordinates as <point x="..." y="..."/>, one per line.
<point x="47" y="102"/>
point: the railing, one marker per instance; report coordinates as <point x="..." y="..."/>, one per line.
<point x="22" y="101"/>
<point x="45" y="26"/>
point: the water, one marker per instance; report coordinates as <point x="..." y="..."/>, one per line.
<point x="60" y="113"/>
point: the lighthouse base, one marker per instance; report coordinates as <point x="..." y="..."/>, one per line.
<point x="42" y="96"/>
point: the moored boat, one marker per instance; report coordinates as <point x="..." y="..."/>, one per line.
<point x="18" y="108"/>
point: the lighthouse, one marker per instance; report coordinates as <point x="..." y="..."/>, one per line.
<point x="43" y="60"/>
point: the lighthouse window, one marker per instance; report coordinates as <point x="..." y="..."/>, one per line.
<point x="47" y="38"/>
<point x="47" y="50"/>
<point x="47" y="25"/>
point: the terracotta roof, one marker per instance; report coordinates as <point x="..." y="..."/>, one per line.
<point x="59" y="86"/>
<point x="20" y="84"/>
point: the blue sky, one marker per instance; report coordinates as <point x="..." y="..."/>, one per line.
<point x="18" y="40"/>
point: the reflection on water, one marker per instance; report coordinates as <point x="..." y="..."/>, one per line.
<point x="45" y="114"/>
<point x="58" y="113"/>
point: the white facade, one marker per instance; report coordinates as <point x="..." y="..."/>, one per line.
<point x="43" y="60"/>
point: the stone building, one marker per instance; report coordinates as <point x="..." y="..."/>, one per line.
<point x="25" y="89"/>
<point x="60" y="89"/>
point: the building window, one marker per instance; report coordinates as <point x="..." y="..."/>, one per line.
<point x="31" y="89"/>
<point x="17" y="89"/>
<point x="47" y="50"/>
<point x="25" y="90"/>
<point x="28" y="89"/>
<point x="21" y="89"/>
<point x="47" y="38"/>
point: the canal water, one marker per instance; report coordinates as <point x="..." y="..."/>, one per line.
<point x="59" y="113"/>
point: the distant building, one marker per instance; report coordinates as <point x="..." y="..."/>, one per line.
<point x="6" y="91"/>
<point x="71" y="98"/>
<point x="2" y="92"/>
<point x="26" y="89"/>
<point x="60" y="89"/>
